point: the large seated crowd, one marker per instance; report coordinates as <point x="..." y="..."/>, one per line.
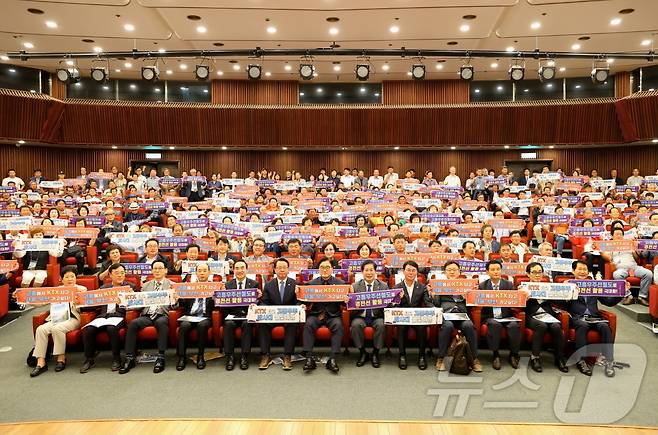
<point x="375" y="231"/>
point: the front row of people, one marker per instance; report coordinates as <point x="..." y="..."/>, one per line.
<point x="541" y="317"/>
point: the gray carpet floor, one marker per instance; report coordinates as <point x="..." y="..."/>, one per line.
<point x="386" y="393"/>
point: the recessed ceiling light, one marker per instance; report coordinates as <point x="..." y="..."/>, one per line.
<point x="161" y="50"/>
<point x="220" y="73"/>
<point x="577" y="86"/>
<point x="106" y="88"/>
<point x="408" y="73"/>
<point x="114" y="147"/>
<point x="575" y="47"/>
<point x="610" y="60"/>
<point x="339" y="94"/>
<point x="453" y="148"/>
<point x="51" y="24"/>
<point x="551" y="147"/>
<point x="464" y="28"/>
<point x="70" y="63"/>
<point x="315" y="74"/>
<point x="333" y="31"/>
<point x="133" y="86"/>
<point x="267" y="73"/>
<point x="333" y="19"/>
<point x="128" y="27"/>
<point x="284" y="148"/>
<point x="336" y="67"/>
<point x="117" y="70"/>
<point x="396" y="148"/>
<point x="494" y="65"/>
<point x="646" y="42"/>
<point x="535" y="25"/>
<point x="271" y="30"/>
<point x="506" y="147"/>
<point x="4" y="57"/>
<point x="236" y="67"/>
<point x="288" y="67"/>
<point x="21" y="141"/>
<point x="169" y="72"/>
<point x="362" y="90"/>
<point x="549" y="85"/>
<point x="439" y="66"/>
<point x="500" y="88"/>
<point x="12" y="70"/>
<point x="385" y="67"/>
<point x="301" y="94"/>
<point x="172" y="148"/>
<point x="28" y="45"/>
<point x="562" y="69"/>
<point x="477" y="91"/>
<point x="98" y="49"/>
<point x="182" y="66"/>
<point x="157" y="89"/>
<point x="615" y="21"/>
<point x="201" y="29"/>
<point x="376" y="94"/>
<point x="526" y="90"/>
<point x="224" y="148"/>
<point x="654" y="141"/>
<point x="127" y="65"/>
<point x="510" y="48"/>
<point x="193" y="17"/>
<point x="319" y="90"/>
<point x="394" y="29"/>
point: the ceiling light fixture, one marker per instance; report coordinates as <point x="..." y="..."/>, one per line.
<point x="254" y="72"/>
<point x="150" y="73"/>
<point x="418" y="71"/>
<point x="362" y="71"/>
<point x="202" y="72"/>
<point x="466" y="72"/>
<point x="100" y="74"/>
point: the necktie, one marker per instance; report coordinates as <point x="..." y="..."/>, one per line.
<point x="369" y="315"/>
<point x="239" y="285"/>
<point x="282" y="289"/>
<point x="497" y="312"/>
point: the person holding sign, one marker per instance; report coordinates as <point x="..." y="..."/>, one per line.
<point x="117" y="274"/>
<point x="235" y="317"/>
<point x="63" y="318"/>
<point x="494" y="317"/>
<point x="369" y="317"/>
<point x="455" y="305"/>
<point x="324" y="314"/>
<point x="415" y="295"/>
<point x="35" y="262"/>
<point x="585" y="316"/>
<point x="542" y="318"/>
<point x="278" y="291"/>
<point x="152" y="254"/>
<point x="157" y="316"/>
<point x="198" y="310"/>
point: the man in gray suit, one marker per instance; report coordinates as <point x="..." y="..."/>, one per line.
<point x="369" y="317"/>
<point x="150" y="316"/>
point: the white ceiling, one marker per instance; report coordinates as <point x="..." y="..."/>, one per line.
<point x="242" y="24"/>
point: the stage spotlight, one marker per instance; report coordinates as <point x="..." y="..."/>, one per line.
<point x="600" y="75"/>
<point x="202" y="72"/>
<point x="466" y="72"/>
<point x="100" y="74"/>
<point x="362" y="71"/>
<point x="418" y="72"/>
<point x="254" y="72"/>
<point x="306" y="71"/>
<point x="546" y="73"/>
<point x="68" y="75"/>
<point x="516" y="72"/>
<point x="150" y="73"/>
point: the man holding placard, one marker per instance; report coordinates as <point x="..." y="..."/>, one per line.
<point x="153" y="315"/>
<point x="368" y="317"/>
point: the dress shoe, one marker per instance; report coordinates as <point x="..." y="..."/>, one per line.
<point x="440" y="365"/>
<point x="116" y="364"/>
<point x="287" y="362"/>
<point x="128" y="363"/>
<point x="180" y="365"/>
<point x="309" y="364"/>
<point x="609" y="368"/>
<point x="514" y="361"/>
<point x="477" y="365"/>
<point x="628" y="300"/>
<point x="561" y="365"/>
<point x="200" y="361"/>
<point x="61" y="365"/>
<point x="265" y="362"/>
<point x="402" y="362"/>
<point x="332" y="365"/>
<point x="535" y="364"/>
<point x="244" y="361"/>
<point x="374" y="359"/>
<point x="496" y="363"/>
<point x="230" y="362"/>
<point x="584" y="368"/>
<point x="87" y="365"/>
<point x="159" y="364"/>
<point x="643" y="301"/>
<point x="38" y="370"/>
<point x="422" y="362"/>
<point x="363" y="357"/>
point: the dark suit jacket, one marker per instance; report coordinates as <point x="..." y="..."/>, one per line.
<point x="418" y="299"/>
<point x="330" y="309"/>
<point x="360" y="286"/>
<point x="578" y="306"/>
<point x="41" y="258"/>
<point x="533" y="305"/>
<point x="119" y="311"/>
<point x="160" y="257"/>
<point x="487" y="312"/>
<point x="186" y="305"/>
<point x="215" y="256"/>
<point x="186" y="189"/>
<point x="238" y="311"/>
<point x="271" y="295"/>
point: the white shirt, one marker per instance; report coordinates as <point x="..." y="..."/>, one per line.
<point x="376" y="181"/>
<point x="452" y="180"/>
<point x="391" y="178"/>
<point x="633" y="180"/>
<point x="17" y="180"/>
<point x="250" y="181"/>
<point x="410" y="290"/>
<point x="347" y="180"/>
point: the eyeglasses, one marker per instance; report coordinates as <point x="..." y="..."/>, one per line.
<point x="536" y="272"/>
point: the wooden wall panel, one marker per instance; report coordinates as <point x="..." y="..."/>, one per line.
<point x="425" y="92"/>
<point x="23" y="115"/>
<point x="58" y="89"/>
<point x="622" y="84"/>
<point x="254" y="92"/>
<point x="52" y="159"/>
<point x="643" y="112"/>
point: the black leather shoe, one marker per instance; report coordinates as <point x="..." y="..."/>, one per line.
<point x="61" y="365"/>
<point x="128" y="363"/>
<point x="230" y="362"/>
<point x="180" y="365"/>
<point x="584" y="368"/>
<point x="402" y="362"/>
<point x="374" y="360"/>
<point x="309" y="364"/>
<point x="159" y="364"/>
<point x="244" y="361"/>
<point x="609" y="369"/>
<point x="561" y="365"/>
<point x="363" y="357"/>
<point x="38" y="370"/>
<point x="200" y="361"/>
<point x="514" y="361"/>
<point x="496" y="364"/>
<point x="332" y="365"/>
<point x="87" y="365"/>
<point x="422" y="362"/>
<point x="116" y="364"/>
<point x="535" y="364"/>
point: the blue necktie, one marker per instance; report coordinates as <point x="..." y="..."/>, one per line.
<point x="282" y="289"/>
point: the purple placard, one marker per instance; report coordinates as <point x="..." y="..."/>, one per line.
<point x="441" y="219"/>
<point x="445" y="194"/>
<point x="595" y="210"/>
<point x="155" y="205"/>
<point x="265" y="183"/>
<point x="230" y="230"/>
<point x="193" y="223"/>
<point x="304" y="238"/>
<point x="198" y="179"/>
<point x="169" y="181"/>
<point x="572" y="199"/>
<point x="624" y="187"/>
<point x="7" y="190"/>
<point x="600" y="287"/>
<point x="235" y="298"/>
<point x="554" y="218"/>
<point x="69" y="202"/>
<point x="6" y="246"/>
<point x="171" y="243"/>
<point x="324" y="185"/>
<point x="647" y="245"/>
<point x="307" y="274"/>
<point x="579" y="180"/>
<point x="253" y="209"/>
<point x="285" y="227"/>
<point x="650" y="202"/>
<point x="93" y="221"/>
<point x="586" y="231"/>
<point x="140" y="269"/>
<point x="9" y="213"/>
<point x="373" y="299"/>
<point x="354" y="265"/>
<point x="472" y="266"/>
<point x="597" y="220"/>
<point x="348" y="232"/>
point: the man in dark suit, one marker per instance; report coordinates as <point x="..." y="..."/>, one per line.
<point x="455" y="304"/>
<point x="152" y="254"/>
<point x="370" y="317"/>
<point x="585" y="316"/>
<point x="413" y="294"/>
<point x="199" y="308"/>
<point x="490" y="316"/>
<point x="239" y="282"/>
<point x="118" y="276"/>
<point x="324" y="313"/>
<point x="194" y="190"/>
<point x="279" y="291"/>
